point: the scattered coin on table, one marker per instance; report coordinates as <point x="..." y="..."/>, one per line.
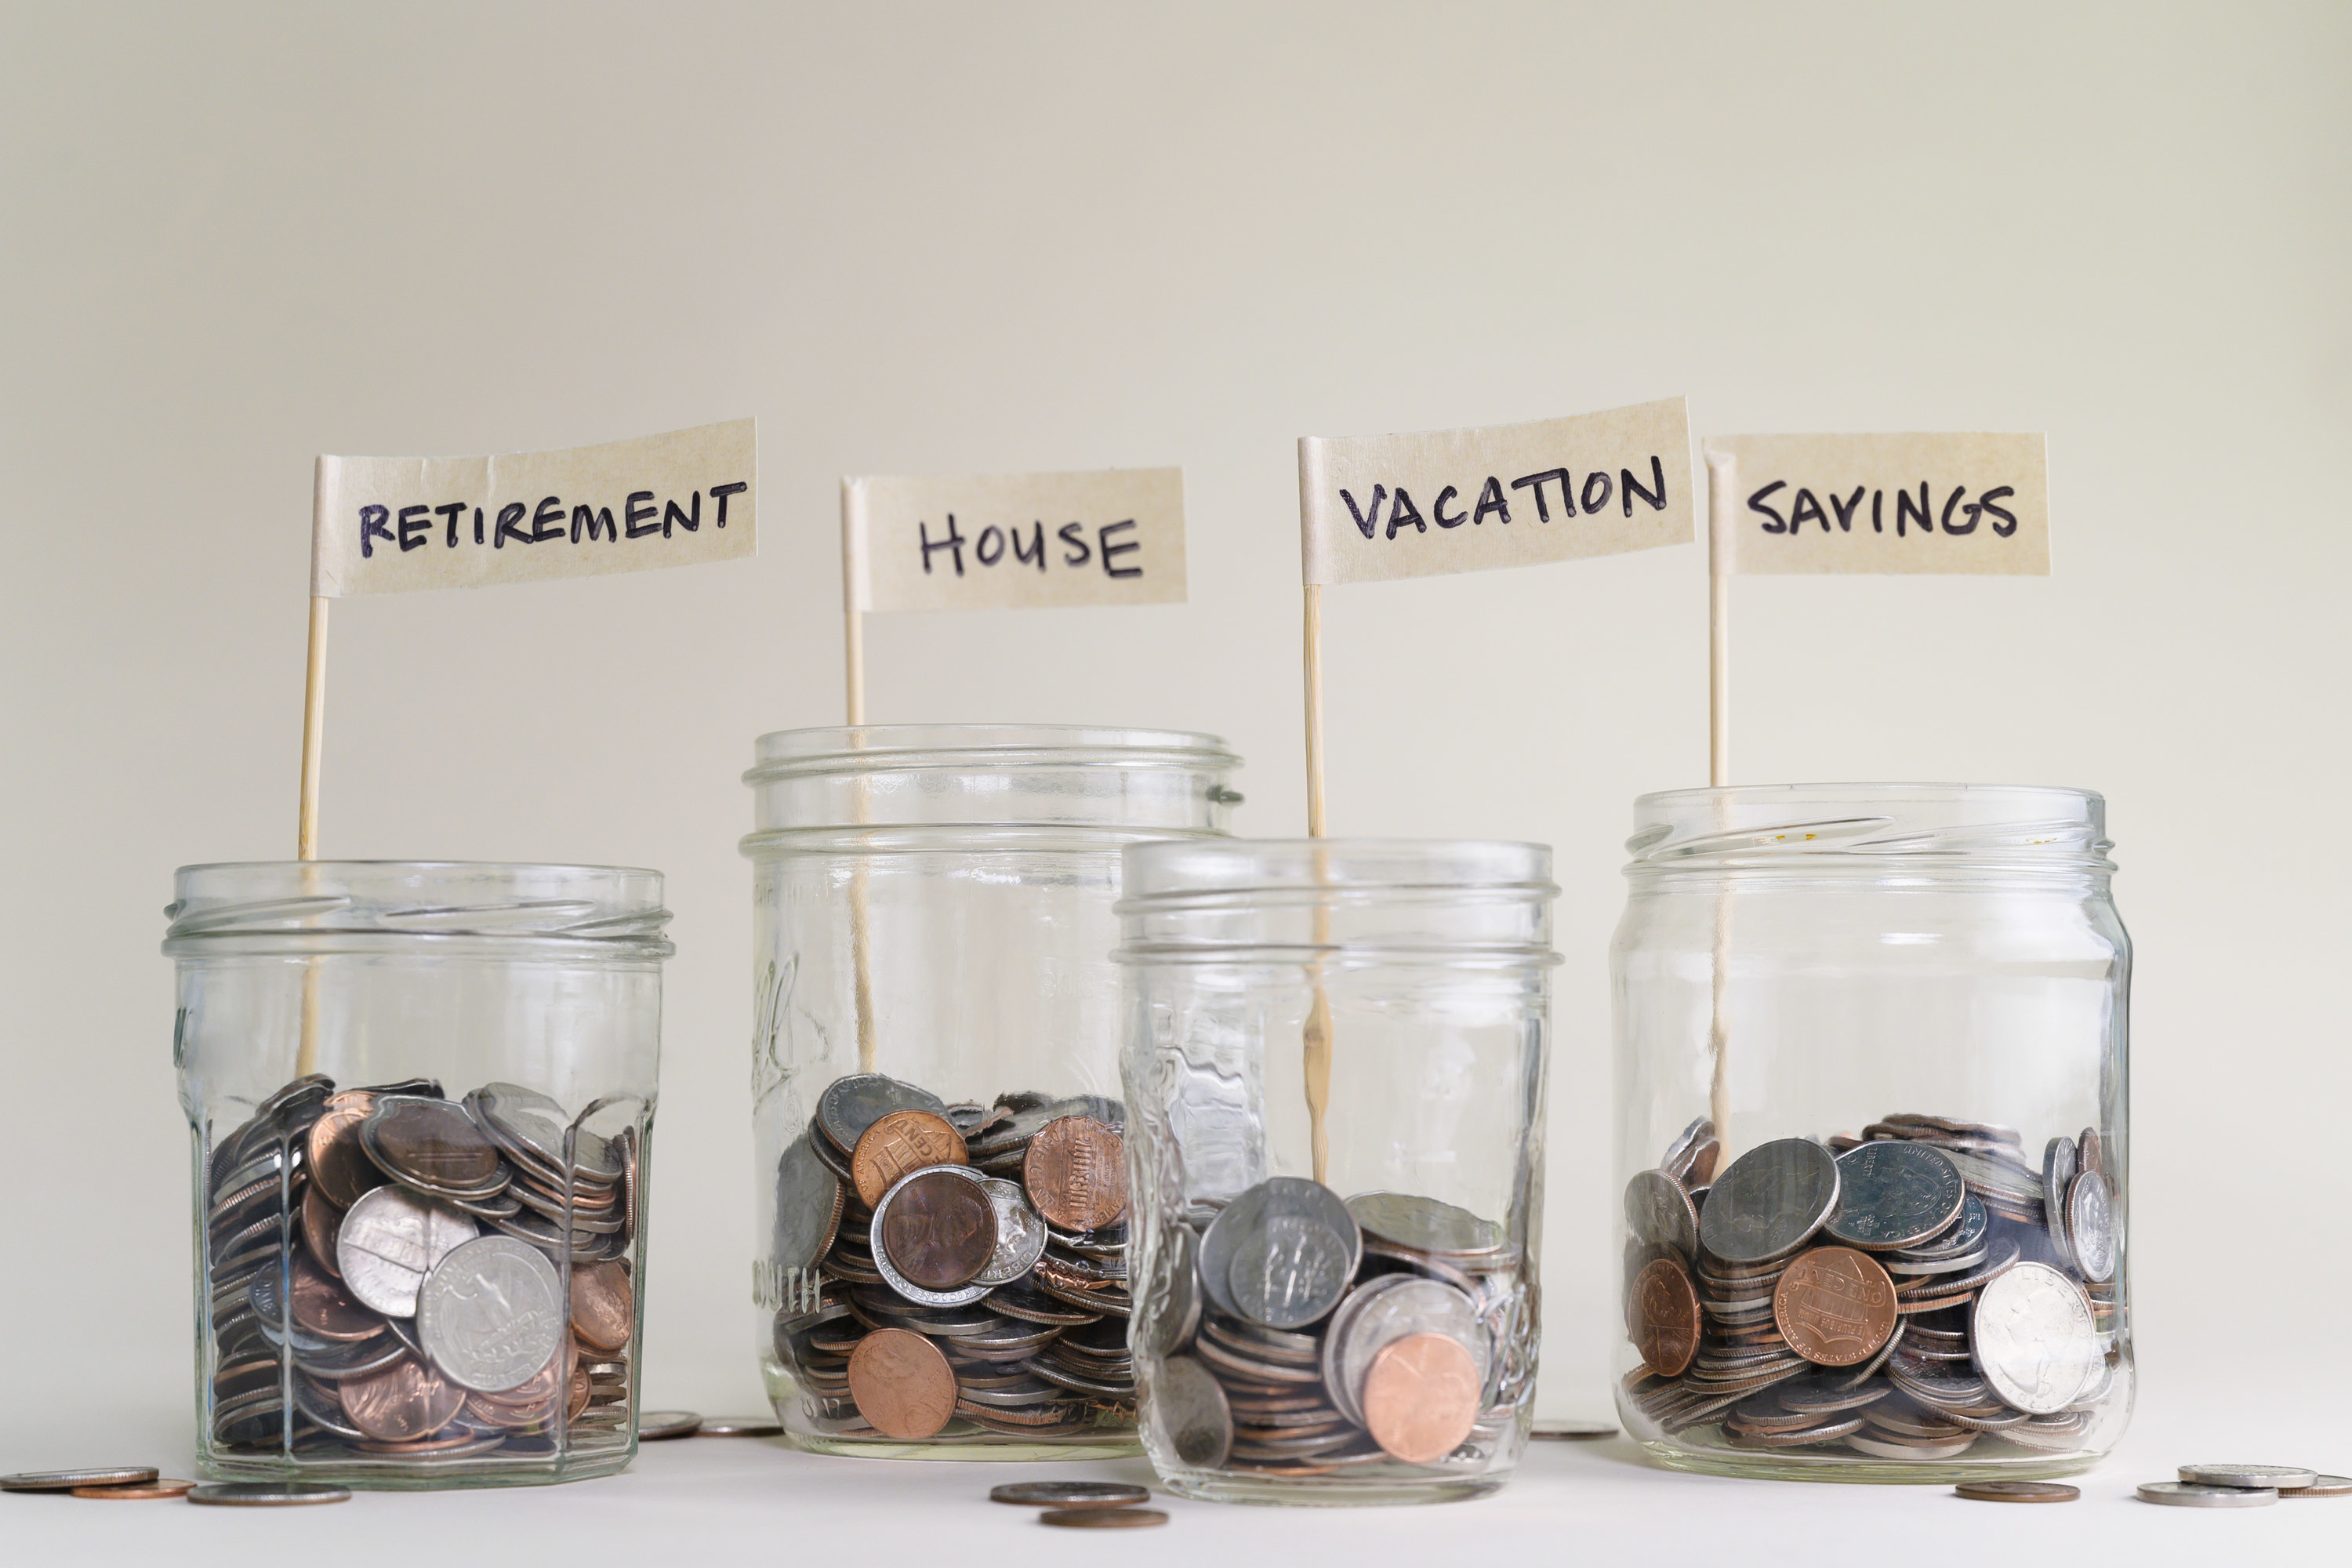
<point x="738" y="1426"/>
<point x="2018" y="1491"/>
<point x="147" y="1492"/>
<point x="1103" y="1518"/>
<point x="1070" y="1494"/>
<point x="267" y="1494"/>
<point x="2190" y="1494"/>
<point x="655" y="1426"/>
<point x="1556" y="1430"/>
<point x="66" y="1481"/>
<point x="2279" y="1477"/>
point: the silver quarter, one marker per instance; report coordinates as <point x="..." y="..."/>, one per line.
<point x="808" y="1204"/>
<point x="2188" y="1494"/>
<point x="1020" y="1234"/>
<point x="2091" y="1227"/>
<point x="267" y="1494"/>
<point x="852" y="1103"/>
<point x="740" y="1426"/>
<point x="1174" y="1291"/>
<point x="2032" y="1337"/>
<point x="1894" y="1194"/>
<point x="1425" y="1224"/>
<point x="66" y="1481"/>
<point x="390" y="1241"/>
<point x="659" y="1426"/>
<point x="1659" y="1212"/>
<point x="1190" y="1415"/>
<point x="2282" y="1477"/>
<point x="1770" y="1202"/>
<point x="492" y="1314"/>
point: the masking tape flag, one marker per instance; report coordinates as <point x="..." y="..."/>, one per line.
<point x="1375" y="508"/>
<point x="1972" y="503"/>
<point x="392" y="525"/>
<point x="1007" y="542"/>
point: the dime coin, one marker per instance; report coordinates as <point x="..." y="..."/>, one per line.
<point x="66" y="1481"/>
<point x="1076" y="1170"/>
<point x="1660" y="1213"/>
<point x="897" y="1143"/>
<point x="390" y="1241"/>
<point x="2188" y="1494"/>
<point x="851" y="1104"/>
<point x="938" y="1227"/>
<point x="901" y="1384"/>
<point x="2090" y="1227"/>
<point x="2323" y="1486"/>
<point x="1421" y="1397"/>
<point x="491" y="1314"/>
<point x="1834" y="1306"/>
<point x="2058" y="1168"/>
<point x="657" y="1425"/>
<point x="405" y="1402"/>
<point x="1557" y="1429"/>
<point x="1425" y="1224"/>
<point x="603" y="1306"/>
<point x="1771" y="1201"/>
<point x="2018" y="1491"/>
<point x="1103" y="1518"/>
<point x="1189" y="1410"/>
<point x="808" y="1204"/>
<point x="267" y="1494"/>
<point x="152" y="1491"/>
<point x="2282" y="1477"/>
<point x="1666" y="1323"/>
<point x="740" y="1426"/>
<point x="1290" y="1255"/>
<point x="1070" y="1494"/>
<point x="2032" y="1337"/>
<point x="1894" y="1194"/>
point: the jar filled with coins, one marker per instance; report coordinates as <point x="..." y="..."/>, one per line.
<point x="1871" y="1132"/>
<point x="941" y="1228"/>
<point x="1335" y="1076"/>
<point x="421" y="1101"/>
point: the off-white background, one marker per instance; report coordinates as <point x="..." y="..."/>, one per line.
<point x="956" y="239"/>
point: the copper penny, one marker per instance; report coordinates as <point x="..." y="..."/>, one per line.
<point x="1834" y="1306"/>
<point x="340" y="1170"/>
<point x="901" y="1384"/>
<point x="405" y="1402"/>
<point x="901" y="1142"/>
<point x="321" y="1223"/>
<point x="152" y="1490"/>
<point x="322" y="1307"/>
<point x="1666" y="1317"/>
<point x="603" y="1306"/>
<point x="1075" y="1172"/>
<point x="940" y="1230"/>
<point x="1103" y="1518"/>
<point x="1421" y="1397"/>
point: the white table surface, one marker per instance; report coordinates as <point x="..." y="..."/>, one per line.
<point x="751" y="1500"/>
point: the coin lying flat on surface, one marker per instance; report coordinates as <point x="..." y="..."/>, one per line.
<point x="1572" y="1431"/>
<point x="2018" y="1491"/>
<point x="2190" y="1494"/>
<point x="66" y="1481"/>
<point x="1103" y="1518"/>
<point x="738" y="1427"/>
<point x="2279" y="1475"/>
<point x="2325" y="1486"/>
<point x="267" y="1494"/>
<point x="152" y="1491"/>
<point x="1070" y="1494"/>
<point x="655" y="1426"/>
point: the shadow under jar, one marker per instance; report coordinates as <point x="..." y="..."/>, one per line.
<point x="941" y="1198"/>
<point x="1335" y="1070"/>
<point x="1872" y="1128"/>
<point x="421" y="1098"/>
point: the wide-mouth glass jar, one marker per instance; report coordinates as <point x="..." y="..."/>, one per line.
<point x="421" y="1101"/>
<point x="1872" y="1125"/>
<point x="941" y="1256"/>
<point x="1335" y="1075"/>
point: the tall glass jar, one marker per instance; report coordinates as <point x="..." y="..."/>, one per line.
<point x="420" y="1098"/>
<point x="1335" y="1066"/>
<point x="1872" y="1124"/>
<point x="940" y="1203"/>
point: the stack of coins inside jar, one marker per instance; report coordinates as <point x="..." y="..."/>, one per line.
<point x="1909" y="1295"/>
<point x="960" y="1271"/>
<point x="1299" y="1334"/>
<point x="424" y="1279"/>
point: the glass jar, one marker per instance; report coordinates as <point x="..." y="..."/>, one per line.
<point x="1872" y="1124"/>
<point x="1335" y="1070"/>
<point x="420" y="1098"/>
<point x="939" y="1209"/>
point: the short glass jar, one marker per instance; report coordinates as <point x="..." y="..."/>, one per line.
<point x="1335" y="1074"/>
<point x="421" y="1103"/>
<point x="1872" y="1126"/>
<point x="940" y="1205"/>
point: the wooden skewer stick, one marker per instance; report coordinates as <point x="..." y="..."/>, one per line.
<point x="1722" y="485"/>
<point x="306" y="832"/>
<point x="1317" y="1038"/>
<point x="853" y="620"/>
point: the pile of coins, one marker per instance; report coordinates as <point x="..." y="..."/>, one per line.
<point x="2243" y="1485"/>
<point x="956" y="1272"/>
<point x="1903" y="1294"/>
<point x="419" y="1278"/>
<point x="1083" y="1505"/>
<point x="1297" y="1334"/>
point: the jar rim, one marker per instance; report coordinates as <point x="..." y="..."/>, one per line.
<point x="1172" y="870"/>
<point x="612" y="906"/>
<point x="2031" y="828"/>
<point x="885" y="748"/>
